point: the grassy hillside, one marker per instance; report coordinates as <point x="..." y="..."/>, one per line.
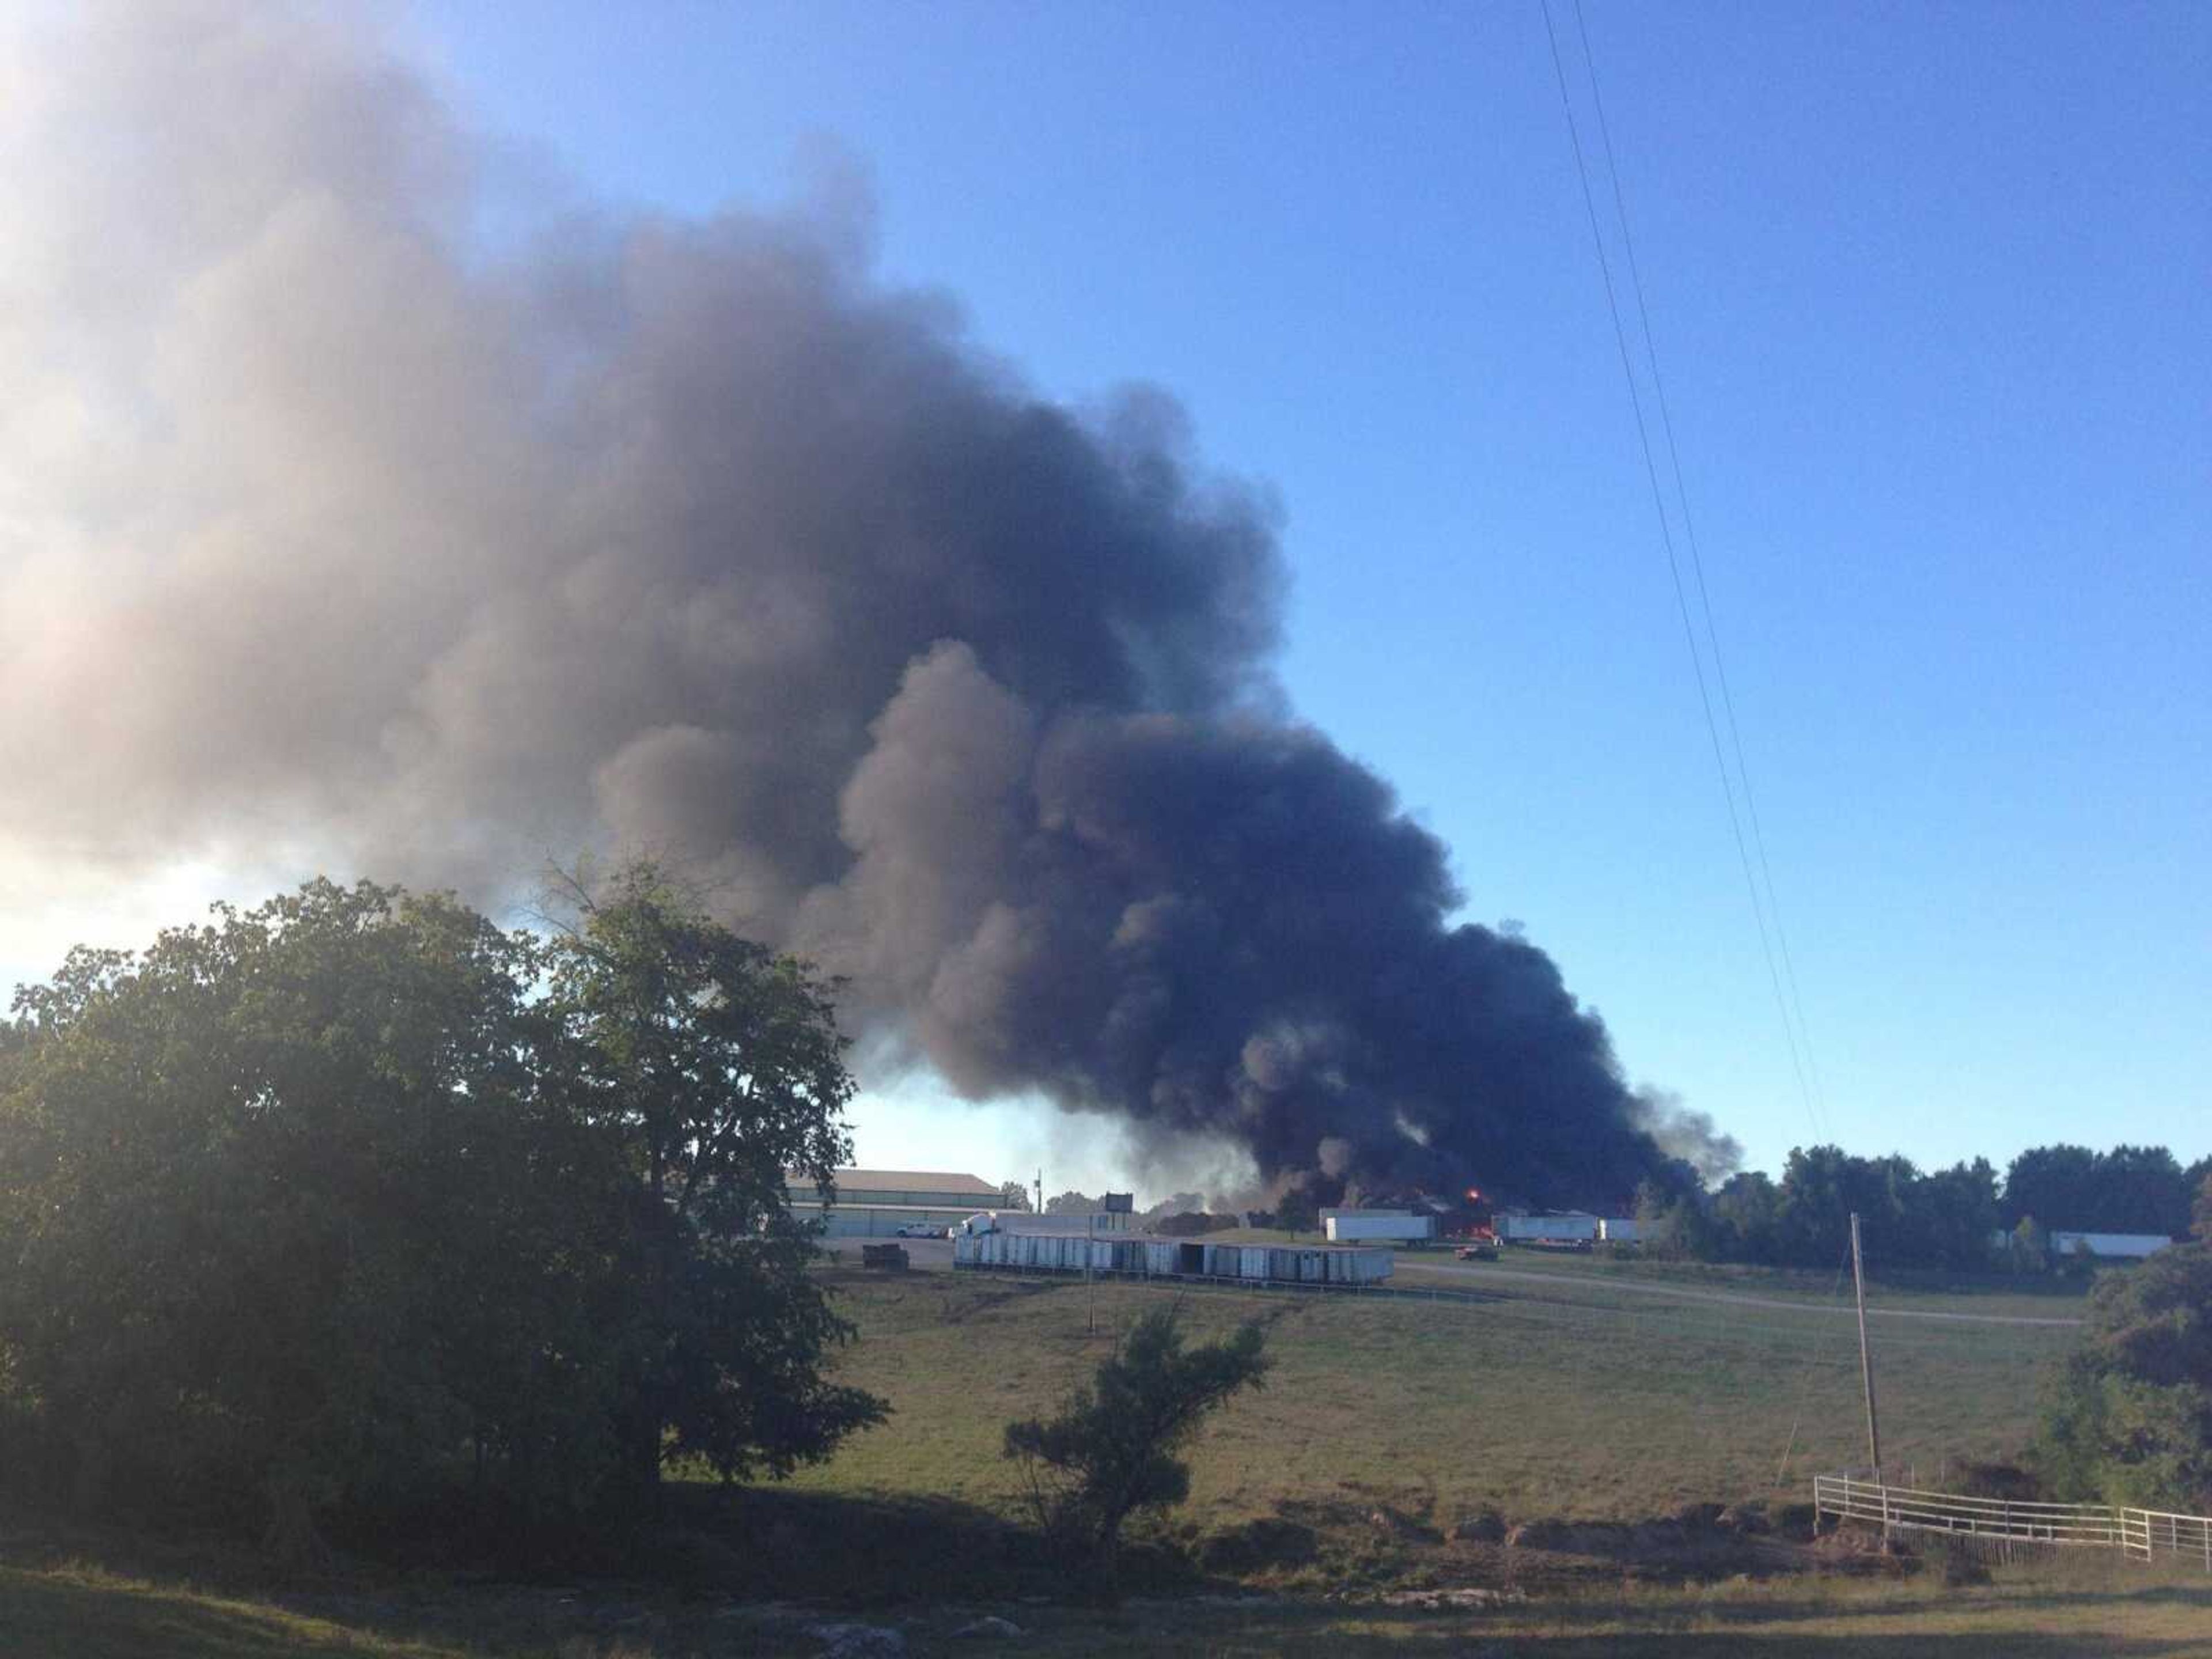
<point x="1537" y="1406"/>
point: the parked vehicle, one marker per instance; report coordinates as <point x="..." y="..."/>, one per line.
<point x="1479" y="1243"/>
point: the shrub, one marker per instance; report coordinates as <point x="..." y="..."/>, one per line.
<point x="2129" y="1415"/>
<point x="1110" y="1450"/>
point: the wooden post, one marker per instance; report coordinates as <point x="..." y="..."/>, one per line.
<point x="1866" y="1375"/>
<point x="1866" y="1360"/>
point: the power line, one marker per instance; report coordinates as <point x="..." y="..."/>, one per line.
<point x="1698" y="563"/>
<point x="1681" y="597"/>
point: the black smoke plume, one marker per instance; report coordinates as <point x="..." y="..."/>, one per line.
<point x="346" y="521"/>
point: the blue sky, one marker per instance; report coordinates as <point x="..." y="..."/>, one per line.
<point x="1928" y="287"/>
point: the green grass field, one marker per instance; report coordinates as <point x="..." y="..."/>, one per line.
<point x="1906" y="1289"/>
<point x="1569" y="1394"/>
<point x="1537" y="1405"/>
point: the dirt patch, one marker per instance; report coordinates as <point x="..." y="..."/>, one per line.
<point x="1693" y="1544"/>
<point x="1860" y="1551"/>
<point x="956" y="1309"/>
<point x="1487" y="1526"/>
<point x="1747" y="1520"/>
<point x="1390" y="1522"/>
<point x="1269" y="1543"/>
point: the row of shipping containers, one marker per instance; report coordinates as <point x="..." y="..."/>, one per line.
<point x="1165" y="1257"/>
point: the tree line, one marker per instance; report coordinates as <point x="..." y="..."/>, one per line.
<point x="1946" y="1218"/>
<point x="355" y="1209"/>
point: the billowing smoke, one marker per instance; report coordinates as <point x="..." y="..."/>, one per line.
<point x="341" y="519"/>
<point x="1688" y="1136"/>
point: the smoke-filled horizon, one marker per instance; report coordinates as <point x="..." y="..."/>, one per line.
<point x="335" y="523"/>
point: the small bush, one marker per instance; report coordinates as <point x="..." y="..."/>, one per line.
<point x="1110" y="1452"/>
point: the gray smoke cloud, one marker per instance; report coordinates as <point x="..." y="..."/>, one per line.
<point x="1688" y="1136"/>
<point x="339" y="518"/>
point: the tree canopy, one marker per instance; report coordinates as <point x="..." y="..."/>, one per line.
<point x="355" y="1201"/>
<point x="2128" y="1418"/>
<point x="2129" y="1189"/>
<point x="1953" y="1219"/>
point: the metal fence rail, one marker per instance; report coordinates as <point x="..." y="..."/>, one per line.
<point x="2147" y="1532"/>
<point x="1849" y="1498"/>
<point x="2140" y="1533"/>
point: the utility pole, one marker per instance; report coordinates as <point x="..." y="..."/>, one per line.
<point x="1090" y="1285"/>
<point x="1866" y="1360"/>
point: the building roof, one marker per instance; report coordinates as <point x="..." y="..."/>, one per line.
<point x="899" y="1181"/>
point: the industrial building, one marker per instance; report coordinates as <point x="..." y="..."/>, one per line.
<point x="878" y="1203"/>
<point x="2109" y="1247"/>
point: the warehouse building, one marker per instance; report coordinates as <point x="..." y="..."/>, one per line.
<point x="877" y="1203"/>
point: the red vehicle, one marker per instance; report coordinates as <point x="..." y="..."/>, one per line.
<point x="1479" y="1243"/>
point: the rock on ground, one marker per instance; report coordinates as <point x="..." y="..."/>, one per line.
<point x="990" y="1627"/>
<point x="858" y="1641"/>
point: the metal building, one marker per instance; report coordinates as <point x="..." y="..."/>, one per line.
<point x="878" y="1203"/>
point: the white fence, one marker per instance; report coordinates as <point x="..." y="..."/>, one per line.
<point x="1849" y="1498"/>
<point x="2142" y="1533"/>
<point x="2147" y="1532"/>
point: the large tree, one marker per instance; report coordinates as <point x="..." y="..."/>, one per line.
<point x="718" y="1066"/>
<point x="340" y="1205"/>
<point x="271" y="1201"/>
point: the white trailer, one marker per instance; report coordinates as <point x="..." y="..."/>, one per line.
<point x="1618" y="1229"/>
<point x="2109" y="1247"/>
<point x="1574" y="1227"/>
<point x="1349" y="1226"/>
<point x="1252" y="1264"/>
